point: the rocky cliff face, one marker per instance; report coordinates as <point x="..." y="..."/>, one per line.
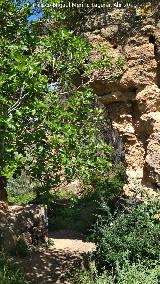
<point x="133" y="100"/>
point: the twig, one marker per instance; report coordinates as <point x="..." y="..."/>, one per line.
<point x="18" y="102"/>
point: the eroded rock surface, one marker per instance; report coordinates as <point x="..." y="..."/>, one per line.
<point x="133" y="100"/>
<point x="23" y="225"/>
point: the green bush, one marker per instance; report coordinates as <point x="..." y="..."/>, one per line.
<point x="71" y="210"/>
<point x="21" y="189"/>
<point x="138" y="274"/>
<point x="134" y="236"/>
<point x="87" y="278"/>
<point x="9" y="274"/>
<point x="128" y="274"/>
<point x="107" y="189"/>
<point x="72" y="216"/>
<point x="91" y="276"/>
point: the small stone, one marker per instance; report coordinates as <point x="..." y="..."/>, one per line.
<point x="109" y="32"/>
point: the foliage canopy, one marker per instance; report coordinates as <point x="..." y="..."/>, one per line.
<point x="49" y="126"/>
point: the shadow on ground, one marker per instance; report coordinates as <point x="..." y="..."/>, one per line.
<point x="57" y="263"/>
<point x="50" y="266"/>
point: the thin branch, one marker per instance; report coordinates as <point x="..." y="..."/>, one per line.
<point x="18" y="102"/>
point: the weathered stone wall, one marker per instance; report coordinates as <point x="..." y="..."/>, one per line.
<point x="133" y="100"/>
<point x="27" y="224"/>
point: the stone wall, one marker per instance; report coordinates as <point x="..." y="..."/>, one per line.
<point x="27" y="225"/>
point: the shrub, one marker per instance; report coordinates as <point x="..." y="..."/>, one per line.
<point x="72" y="215"/>
<point x="128" y="274"/>
<point x="134" y="236"/>
<point x="67" y="210"/>
<point x="9" y="274"/>
<point x="107" y="189"/>
<point x="20" y="189"/>
<point x="91" y="277"/>
<point x="138" y="273"/>
<point x="86" y="277"/>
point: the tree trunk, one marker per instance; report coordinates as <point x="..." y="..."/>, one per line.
<point x="3" y="191"/>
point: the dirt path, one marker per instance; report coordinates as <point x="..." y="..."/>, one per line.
<point x="56" y="264"/>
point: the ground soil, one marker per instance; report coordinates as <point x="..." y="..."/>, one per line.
<point x="59" y="261"/>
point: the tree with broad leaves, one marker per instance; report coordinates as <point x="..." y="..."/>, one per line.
<point x="48" y="125"/>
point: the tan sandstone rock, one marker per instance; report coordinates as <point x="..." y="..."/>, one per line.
<point x="149" y="99"/>
<point x="133" y="100"/>
<point x="23" y="225"/>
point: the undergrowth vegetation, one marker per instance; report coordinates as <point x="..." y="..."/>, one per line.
<point x="10" y="274"/>
<point x="134" y="236"/>
<point x="72" y="215"/>
<point x="20" y="189"/>
<point x="127" y="245"/>
<point x="128" y="274"/>
<point x="70" y="211"/>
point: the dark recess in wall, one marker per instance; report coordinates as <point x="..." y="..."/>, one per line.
<point x="152" y="39"/>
